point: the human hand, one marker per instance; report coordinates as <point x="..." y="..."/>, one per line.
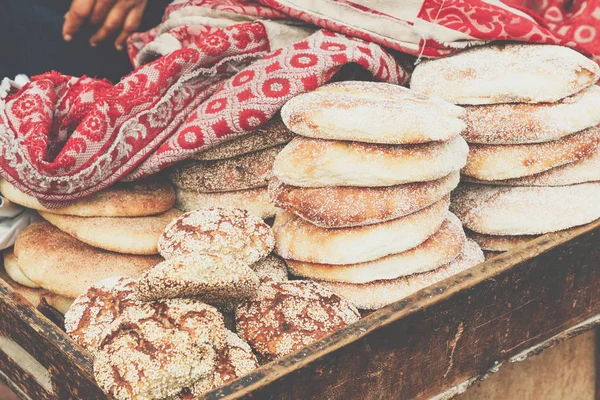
<point x="114" y="16"/>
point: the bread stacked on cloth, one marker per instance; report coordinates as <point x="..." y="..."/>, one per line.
<point x="232" y="174"/>
<point x="533" y="115"/>
<point x="113" y="232"/>
<point x="365" y="189"/>
<point x="164" y="335"/>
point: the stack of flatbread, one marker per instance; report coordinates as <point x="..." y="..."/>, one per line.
<point x="533" y="115"/>
<point x="234" y="174"/>
<point x="364" y="191"/>
<point x="113" y="232"/>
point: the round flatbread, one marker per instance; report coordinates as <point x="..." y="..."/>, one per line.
<point x="11" y="265"/>
<point x="372" y="112"/>
<point x="135" y="199"/>
<point x="533" y="123"/>
<point x="506" y="73"/>
<point x="38" y="296"/>
<point x="248" y="171"/>
<point x="584" y="170"/>
<point x="338" y="207"/>
<point x="64" y="265"/>
<point x="499" y="162"/>
<point x="136" y="235"/>
<point x="299" y="240"/>
<point x="286" y="316"/>
<point x="378" y="294"/>
<point x="255" y="201"/>
<point x="498" y="243"/>
<point x="316" y="163"/>
<point x="441" y="248"/>
<point x="272" y="134"/>
<point x="514" y="210"/>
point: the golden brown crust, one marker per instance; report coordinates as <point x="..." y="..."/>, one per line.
<point x="47" y="255"/>
<point x="499" y="162"/>
<point x="272" y="134"/>
<point x="256" y="201"/>
<point x="93" y="312"/>
<point x="154" y="349"/>
<point x="248" y="171"/>
<point x="135" y="199"/>
<point x="286" y="316"/>
<point x="128" y="235"/>
<point x="336" y="207"/>
<point x="11" y="265"/>
<point x="211" y="278"/>
<point x="226" y="231"/>
<point x="497" y="243"/>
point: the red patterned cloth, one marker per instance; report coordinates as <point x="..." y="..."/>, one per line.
<point x="216" y="69"/>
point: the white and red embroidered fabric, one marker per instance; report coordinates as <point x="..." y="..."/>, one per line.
<point x="216" y="69"/>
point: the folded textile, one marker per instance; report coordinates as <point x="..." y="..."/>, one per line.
<point x="64" y="138"/>
<point x="13" y="219"/>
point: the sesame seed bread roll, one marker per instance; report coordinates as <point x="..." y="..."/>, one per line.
<point x="499" y="162"/>
<point x="517" y="123"/>
<point x="378" y="294"/>
<point x="308" y="162"/>
<point x="299" y="240"/>
<point x="506" y="73"/>
<point x="439" y="249"/>
<point x="516" y="210"/>
<point x="587" y="169"/>
<point x="338" y="207"/>
<point x="123" y="199"/>
<point x="372" y="112"/>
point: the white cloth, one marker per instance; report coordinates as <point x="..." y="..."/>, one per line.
<point x="13" y="219"/>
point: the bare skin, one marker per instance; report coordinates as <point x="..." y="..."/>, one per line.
<point x="118" y="18"/>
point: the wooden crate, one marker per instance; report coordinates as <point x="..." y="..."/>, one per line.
<point x="431" y="344"/>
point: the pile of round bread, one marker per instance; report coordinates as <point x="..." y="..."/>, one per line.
<point x="232" y="174"/>
<point x="364" y="191"/>
<point x="170" y="332"/>
<point x="533" y="115"/>
<point x="113" y="232"/>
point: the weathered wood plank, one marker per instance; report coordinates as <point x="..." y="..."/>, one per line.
<point x="447" y="333"/>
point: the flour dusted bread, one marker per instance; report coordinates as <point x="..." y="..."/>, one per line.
<point x="584" y="170"/>
<point x="499" y="162"/>
<point x="299" y="240"/>
<point x="94" y="310"/>
<point x="506" y="73"/>
<point x="335" y="207"/>
<point x="273" y="133"/>
<point x="286" y="316"/>
<point x="134" y="235"/>
<point x="532" y="123"/>
<point x="233" y="361"/>
<point x="515" y="210"/>
<point x="255" y="201"/>
<point x="153" y="350"/>
<point x="496" y="243"/>
<point x="38" y="297"/>
<point x="372" y="112"/>
<point x="64" y="265"/>
<point x="134" y="199"/>
<point x="439" y="249"/>
<point x="308" y="162"/>
<point x="226" y="231"/>
<point x="244" y="172"/>
<point x="212" y="278"/>
<point x="11" y="265"/>
<point x="378" y="294"/>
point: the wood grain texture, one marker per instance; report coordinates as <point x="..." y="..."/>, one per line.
<point x="447" y="333"/>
